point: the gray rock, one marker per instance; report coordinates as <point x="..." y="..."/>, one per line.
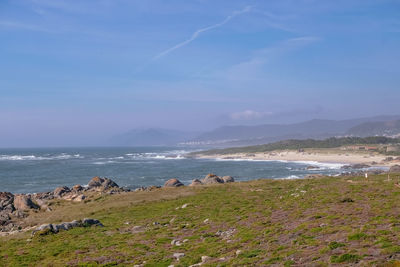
<point x="173" y="183"/>
<point x="212" y="179"/>
<point x="89" y="222"/>
<point x="196" y="182"/>
<point x="6" y="208"/>
<point x="228" y="179"/>
<point x="45" y="228"/>
<point x="6" y="200"/>
<point x="55" y="228"/>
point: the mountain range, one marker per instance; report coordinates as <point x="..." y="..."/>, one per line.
<point x="227" y="136"/>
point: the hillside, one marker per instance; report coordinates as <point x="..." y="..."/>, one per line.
<point x="261" y="134"/>
<point x="284" y="222"/>
<point x="381" y="128"/>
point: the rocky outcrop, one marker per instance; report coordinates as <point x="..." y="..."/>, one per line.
<point x="173" y="183"/>
<point x="24" y="202"/>
<point x="196" y="182"/>
<point x="395" y="169"/>
<point x="15" y="207"/>
<point x="212" y="179"/>
<point x="6" y="207"/>
<point x="55" y="228"/>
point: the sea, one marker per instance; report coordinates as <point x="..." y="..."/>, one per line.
<point x="43" y="169"/>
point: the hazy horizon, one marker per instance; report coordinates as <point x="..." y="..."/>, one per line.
<point x="74" y="73"/>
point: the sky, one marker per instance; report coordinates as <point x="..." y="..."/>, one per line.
<point x="77" y="72"/>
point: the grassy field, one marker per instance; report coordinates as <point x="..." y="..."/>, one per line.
<point x="320" y="222"/>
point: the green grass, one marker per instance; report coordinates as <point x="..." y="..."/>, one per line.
<point x="345" y="258"/>
<point x="262" y="219"/>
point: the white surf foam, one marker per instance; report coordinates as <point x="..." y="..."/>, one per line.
<point x="61" y="156"/>
<point x="320" y="165"/>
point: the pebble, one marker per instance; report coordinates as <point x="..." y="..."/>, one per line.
<point x="176" y="243"/>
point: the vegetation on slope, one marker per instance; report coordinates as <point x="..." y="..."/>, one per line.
<point x="286" y="222"/>
<point x="295" y="144"/>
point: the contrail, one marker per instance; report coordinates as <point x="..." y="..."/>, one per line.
<point x="198" y="32"/>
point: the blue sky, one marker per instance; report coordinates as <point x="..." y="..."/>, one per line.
<point x="76" y="72"/>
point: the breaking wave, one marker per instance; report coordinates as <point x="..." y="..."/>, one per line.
<point x="61" y="156"/>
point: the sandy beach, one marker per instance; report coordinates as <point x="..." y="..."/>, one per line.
<point x="322" y="157"/>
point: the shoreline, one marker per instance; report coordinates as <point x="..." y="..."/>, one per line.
<point x="306" y="158"/>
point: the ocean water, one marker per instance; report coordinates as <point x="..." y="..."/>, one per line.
<point x="39" y="170"/>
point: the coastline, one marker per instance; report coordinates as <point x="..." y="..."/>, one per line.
<point x="375" y="160"/>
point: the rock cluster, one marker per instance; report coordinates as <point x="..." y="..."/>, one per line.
<point x="55" y="228"/>
<point x="356" y="166"/>
<point x="209" y="179"/>
<point x="17" y="206"/>
<point x="147" y="189"/>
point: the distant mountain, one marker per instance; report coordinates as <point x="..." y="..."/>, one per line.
<point x="381" y="128"/>
<point x="151" y="137"/>
<point x="262" y="134"/>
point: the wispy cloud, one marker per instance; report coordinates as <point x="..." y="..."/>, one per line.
<point x="197" y="33"/>
<point x="23" y="26"/>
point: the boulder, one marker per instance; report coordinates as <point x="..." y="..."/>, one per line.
<point x="395" y="168"/>
<point x="95" y="181"/>
<point x="196" y="182"/>
<point x="212" y="179"/>
<point x="89" y="222"/>
<point x="24" y="202"/>
<point x="60" y="191"/>
<point x="103" y="183"/>
<point x="228" y="179"/>
<point x="173" y="183"/>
